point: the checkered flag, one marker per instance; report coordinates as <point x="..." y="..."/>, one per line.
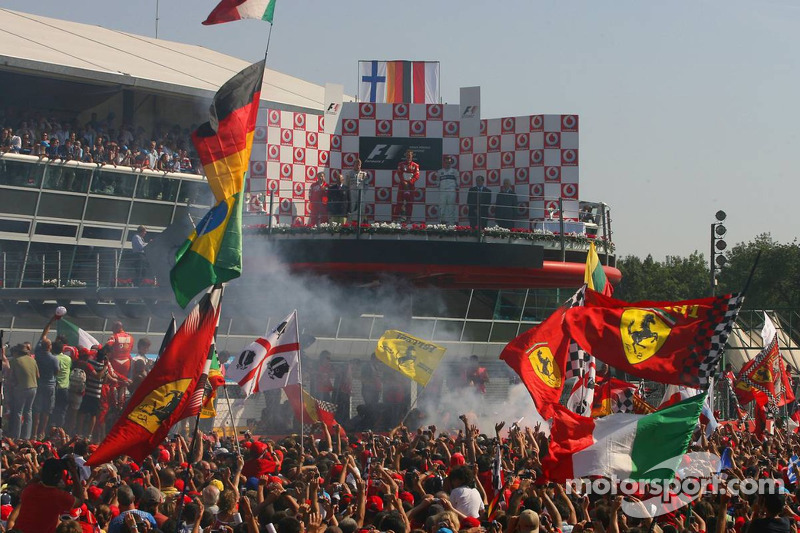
<point x="723" y="315"/>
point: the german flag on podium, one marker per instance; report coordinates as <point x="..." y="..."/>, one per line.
<point x="213" y="252"/>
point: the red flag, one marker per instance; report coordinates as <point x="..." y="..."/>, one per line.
<point x="157" y="404"/>
<point x="760" y="413"/>
<point x="670" y="342"/>
<point x="539" y="356"/>
<point x="569" y="433"/>
<point x="612" y="395"/>
<point x="764" y="378"/>
<point x="311" y="410"/>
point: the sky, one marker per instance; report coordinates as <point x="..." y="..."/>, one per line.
<point x="686" y="107"/>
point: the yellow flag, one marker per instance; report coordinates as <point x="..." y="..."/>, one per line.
<point x="409" y="355"/>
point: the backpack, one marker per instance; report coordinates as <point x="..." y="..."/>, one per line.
<point x="77" y="381"/>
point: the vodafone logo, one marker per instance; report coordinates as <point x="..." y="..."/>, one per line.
<point x="311" y="173"/>
<point x="522" y="209"/>
<point x="299" y="155"/>
<point x="336" y="142"/>
<point x="479" y="161"/>
<point x="463" y="211"/>
<point x="349" y="159"/>
<point x="493" y="143"/>
<point x="551" y="140"/>
<point x="434" y="112"/>
<point x="258" y="169"/>
<point x="521" y="175"/>
<point x="431" y="211"/>
<point x="537" y="158"/>
<point x="311" y="139"/>
<point x="569" y="157"/>
<point x="419" y="195"/>
<point x="417" y="128"/>
<point x="320" y="123"/>
<point x="522" y="141"/>
<point x="286" y="137"/>
<point x="350" y="127"/>
<point x="369" y="209"/>
<point x="451" y="129"/>
<point x="493" y="177"/>
<point x="569" y="190"/>
<point x="286" y="206"/>
<point x="569" y="123"/>
<point x="466" y="178"/>
<point x="551" y="206"/>
<point x="272" y="186"/>
<point x="383" y="127"/>
<point x="552" y="173"/>
<point x="260" y="134"/>
<point x="274" y="118"/>
<point x="299" y="121"/>
<point x="537" y="190"/>
<point x="400" y="111"/>
<point x="466" y="145"/>
<point x="286" y="171"/>
<point x="484" y="126"/>
<point x="508" y="159"/>
<point x="273" y="153"/>
<point x="537" y="123"/>
<point x="323" y="157"/>
<point x="298" y="190"/>
<point x="508" y="125"/>
<point x="430" y="178"/>
<point x="383" y="194"/>
<point x="366" y="111"/>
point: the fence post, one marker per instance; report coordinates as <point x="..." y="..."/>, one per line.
<point x="561" y="229"/>
<point x="44" y="258"/>
<point x="58" y="275"/>
<point x="116" y="267"/>
<point x="97" y="270"/>
<point x="358" y="214"/>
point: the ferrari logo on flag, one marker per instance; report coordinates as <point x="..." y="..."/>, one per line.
<point x="159" y="405"/>
<point x="643" y="333"/>
<point x="416" y="358"/>
<point x="543" y="363"/>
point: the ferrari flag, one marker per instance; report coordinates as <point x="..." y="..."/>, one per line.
<point x="539" y="356"/>
<point x="413" y="357"/>
<point x="670" y="342"/>
<point x="159" y="402"/>
<point x="213" y="252"/>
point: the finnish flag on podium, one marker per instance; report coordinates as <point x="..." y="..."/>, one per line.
<point x="398" y="82"/>
<point x="270" y="362"/>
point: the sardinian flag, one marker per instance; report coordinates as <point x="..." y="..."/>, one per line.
<point x="270" y="362"/>
<point x="791" y="471"/>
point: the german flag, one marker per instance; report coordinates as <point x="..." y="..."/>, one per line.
<point x="213" y="252"/>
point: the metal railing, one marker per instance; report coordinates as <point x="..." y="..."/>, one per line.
<point x="110" y="268"/>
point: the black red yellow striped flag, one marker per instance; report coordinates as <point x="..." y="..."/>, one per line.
<point x="213" y="252"/>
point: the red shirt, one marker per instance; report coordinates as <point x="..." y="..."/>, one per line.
<point x="409" y="172"/>
<point x="41" y="506"/>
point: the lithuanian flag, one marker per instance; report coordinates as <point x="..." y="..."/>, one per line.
<point x="595" y="276"/>
<point x="213" y="252"/>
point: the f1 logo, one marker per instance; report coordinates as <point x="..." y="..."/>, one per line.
<point x="470" y="111"/>
<point x="333" y="108"/>
<point x="385" y="151"/>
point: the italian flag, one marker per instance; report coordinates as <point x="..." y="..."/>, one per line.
<point x="637" y="447"/>
<point x="75" y="336"/>
<point x="230" y="10"/>
<point x="594" y="276"/>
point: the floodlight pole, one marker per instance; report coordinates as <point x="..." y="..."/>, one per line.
<point x="156" y="19"/>
<point x="711" y="257"/>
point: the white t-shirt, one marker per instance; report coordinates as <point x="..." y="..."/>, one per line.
<point x="467" y="500"/>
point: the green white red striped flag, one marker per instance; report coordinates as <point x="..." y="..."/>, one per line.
<point x="230" y="10"/>
<point x="75" y="336"/>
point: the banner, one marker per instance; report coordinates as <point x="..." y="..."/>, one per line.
<point x="334" y="95"/>
<point x="416" y="358"/>
<point x="385" y="153"/>
<point x="399" y="82"/>
<point x="470" y="112"/>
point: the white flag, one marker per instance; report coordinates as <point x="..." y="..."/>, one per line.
<point x="270" y="362"/>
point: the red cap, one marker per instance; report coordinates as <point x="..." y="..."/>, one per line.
<point x="258" y="447"/>
<point x="406" y="497"/>
<point x="163" y="456"/>
<point x="374" y="504"/>
<point x="94" y="492"/>
<point x="457" y="459"/>
<point x="178" y="484"/>
<point x="336" y="471"/>
<point x="470" y="522"/>
<point x="134" y="466"/>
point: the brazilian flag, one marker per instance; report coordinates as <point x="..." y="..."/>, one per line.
<point x="213" y="252"/>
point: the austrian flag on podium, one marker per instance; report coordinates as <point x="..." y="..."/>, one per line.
<point x="398" y="82"/>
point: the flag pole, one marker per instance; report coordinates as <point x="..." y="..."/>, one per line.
<point x="233" y="422"/>
<point x="193" y="442"/>
<point x="300" y="388"/>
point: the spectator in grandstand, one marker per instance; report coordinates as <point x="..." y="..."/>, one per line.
<point x="505" y="206"/>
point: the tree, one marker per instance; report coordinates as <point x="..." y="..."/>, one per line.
<point x="677" y="278"/>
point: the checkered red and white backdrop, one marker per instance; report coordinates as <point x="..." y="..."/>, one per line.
<point x="538" y="153"/>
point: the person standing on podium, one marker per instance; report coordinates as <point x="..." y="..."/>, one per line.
<point x="408" y="170"/>
<point x="448" y="183"/>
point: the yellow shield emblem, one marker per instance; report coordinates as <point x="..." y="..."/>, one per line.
<point x="544" y="364"/>
<point x="643" y="333"/>
<point x="159" y="405"/>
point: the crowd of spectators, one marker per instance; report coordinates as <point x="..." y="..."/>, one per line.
<point x="106" y="141"/>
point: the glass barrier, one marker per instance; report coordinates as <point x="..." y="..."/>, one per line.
<point x="157" y="188"/>
<point x="113" y="183"/>
<point x="21" y="174"/>
<point x="67" y="178"/>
